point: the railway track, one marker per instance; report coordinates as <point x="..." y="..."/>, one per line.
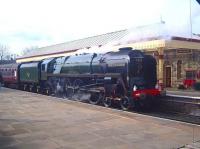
<point x="185" y="108"/>
<point x="176" y="116"/>
<point x="184" y="99"/>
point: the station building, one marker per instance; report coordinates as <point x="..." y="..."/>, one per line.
<point x="178" y="58"/>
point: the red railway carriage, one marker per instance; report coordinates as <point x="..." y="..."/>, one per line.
<point x="9" y="73"/>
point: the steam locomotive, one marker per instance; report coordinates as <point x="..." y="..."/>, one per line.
<point x="127" y="77"/>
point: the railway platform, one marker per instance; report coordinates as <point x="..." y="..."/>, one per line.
<point x="30" y="121"/>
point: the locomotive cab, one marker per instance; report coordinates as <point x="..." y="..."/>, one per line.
<point x="45" y="68"/>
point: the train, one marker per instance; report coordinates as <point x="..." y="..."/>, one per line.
<point x="126" y="77"/>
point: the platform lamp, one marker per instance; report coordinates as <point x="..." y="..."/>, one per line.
<point x="190" y="18"/>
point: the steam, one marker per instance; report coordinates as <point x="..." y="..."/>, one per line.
<point x="147" y="32"/>
<point x="99" y="50"/>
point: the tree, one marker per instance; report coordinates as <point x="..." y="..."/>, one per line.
<point x="4" y="52"/>
<point x="29" y="49"/>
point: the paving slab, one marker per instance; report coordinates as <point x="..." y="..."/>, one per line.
<point x="34" y="121"/>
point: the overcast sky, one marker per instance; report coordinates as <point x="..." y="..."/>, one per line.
<point x="25" y="23"/>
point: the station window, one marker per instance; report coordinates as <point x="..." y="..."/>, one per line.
<point x="191" y="74"/>
<point x="198" y="74"/>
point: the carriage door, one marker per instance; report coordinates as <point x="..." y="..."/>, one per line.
<point x="168" y="76"/>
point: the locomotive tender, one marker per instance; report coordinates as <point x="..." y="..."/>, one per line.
<point x="127" y="77"/>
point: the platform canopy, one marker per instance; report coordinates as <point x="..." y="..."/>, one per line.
<point x="66" y="48"/>
<point x="149" y="37"/>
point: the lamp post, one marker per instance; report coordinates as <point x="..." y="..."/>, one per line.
<point x="190" y="19"/>
<point x="190" y="5"/>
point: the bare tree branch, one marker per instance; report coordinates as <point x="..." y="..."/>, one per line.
<point x="4" y="52"/>
<point x="29" y="49"/>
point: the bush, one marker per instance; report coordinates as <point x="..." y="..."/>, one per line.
<point x="197" y="86"/>
<point x="181" y="86"/>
